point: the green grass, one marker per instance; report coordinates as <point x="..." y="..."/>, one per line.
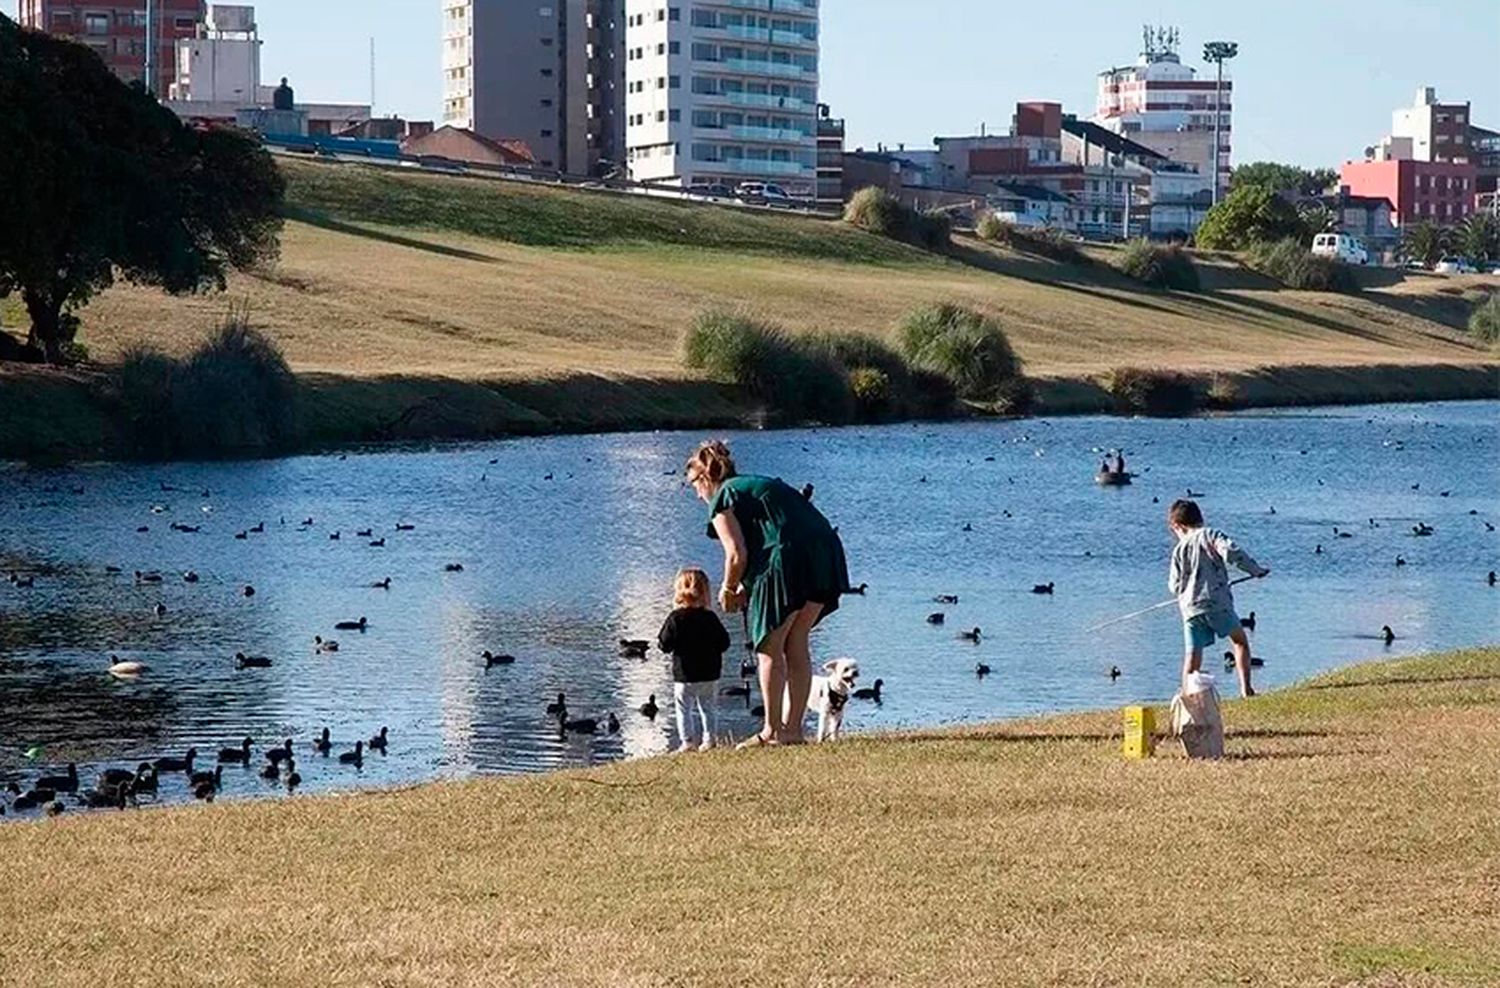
<point x="544" y="216"/>
<point x="1349" y="835"/>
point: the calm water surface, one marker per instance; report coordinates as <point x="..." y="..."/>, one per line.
<point x="570" y="543"/>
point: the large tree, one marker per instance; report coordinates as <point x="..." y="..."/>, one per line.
<point x="1250" y="214"/>
<point x="1284" y="178"/>
<point x="1424" y="243"/>
<point x="1478" y="239"/>
<point x="102" y="182"/>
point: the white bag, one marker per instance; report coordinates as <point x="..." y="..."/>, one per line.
<point x="1195" y="717"/>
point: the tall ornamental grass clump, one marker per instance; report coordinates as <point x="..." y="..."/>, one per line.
<point x="968" y="349"/>
<point x="1138" y="391"/>
<point x="876" y="211"/>
<point x="233" y="395"/>
<point x="792" y="377"/>
<point x="1484" y="321"/>
<point x="1291" y="263"/>
<point x="1159" y="266"/>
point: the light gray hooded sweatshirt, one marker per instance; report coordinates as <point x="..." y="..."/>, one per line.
<point x="1200" y="573"/>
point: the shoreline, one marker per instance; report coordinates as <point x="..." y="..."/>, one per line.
<point x="1031" y="832"/>
<point x="68" y="415"/>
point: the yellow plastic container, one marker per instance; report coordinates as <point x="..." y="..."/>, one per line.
<point x="1140" y="732"/>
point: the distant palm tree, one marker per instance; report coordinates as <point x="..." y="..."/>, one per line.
<point x="1478" y="239"/>
<point x="1424" y="243"/>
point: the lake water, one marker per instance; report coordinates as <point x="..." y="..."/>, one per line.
<point x="570" y="543"/>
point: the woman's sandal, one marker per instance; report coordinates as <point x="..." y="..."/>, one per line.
<point x="756" y="740"/>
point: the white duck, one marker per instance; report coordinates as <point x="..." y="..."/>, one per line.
<point x="122" y="669"/>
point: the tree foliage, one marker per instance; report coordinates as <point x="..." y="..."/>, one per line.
<point x="102" y="182"/>
<point x="1250" y="214"/>
<point x="1478" y="239"/>
<point x="1424" y="243"/>
<point x="1284" y="178"/>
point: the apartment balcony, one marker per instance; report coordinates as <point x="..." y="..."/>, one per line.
<point x="790" y="104"/>
<point x="768" y="135"/>
<point x="755" y="166"/>
<point x="805" y="8"/>
<point x="749" y="66"/>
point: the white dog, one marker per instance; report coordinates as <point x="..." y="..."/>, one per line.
<point x="830" y="694"/>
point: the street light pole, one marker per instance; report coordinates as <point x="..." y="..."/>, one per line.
<point x="1219" y="52"/>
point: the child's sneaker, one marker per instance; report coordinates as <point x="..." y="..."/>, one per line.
<point x="707" y="745"/>
<point x="684" y="748"/>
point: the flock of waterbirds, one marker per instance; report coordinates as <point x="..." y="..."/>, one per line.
<point x="119" y="787"/>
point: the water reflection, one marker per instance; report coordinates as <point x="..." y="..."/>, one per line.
<point x="568" y="544"/>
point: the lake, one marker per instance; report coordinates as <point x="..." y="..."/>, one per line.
<point x="568" y="544"/>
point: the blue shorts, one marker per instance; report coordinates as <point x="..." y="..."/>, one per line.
<point x="1202" y="630"/>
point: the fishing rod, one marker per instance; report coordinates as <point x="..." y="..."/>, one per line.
<point x="1154" y="607"/>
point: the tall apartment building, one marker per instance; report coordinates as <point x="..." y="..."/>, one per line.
<point x="117" y="31"/>
<point x="722" y="91"/>
<point x="546" y="72"/>
<point x="1160" y="103"/>
<point x="1437" y="131"/>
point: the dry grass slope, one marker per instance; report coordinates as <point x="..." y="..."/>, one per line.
<point x="1350" y="839"/>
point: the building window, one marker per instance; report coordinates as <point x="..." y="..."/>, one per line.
<point x="546" y="42"/>
<point x="546" y="133"/>
<point x="674" y="82"/>
<point x="546" y="102"/>
<point x="661" y="82"/>
<point x="674" y="48"/>
<point x="546" y="73"/>
<point x="674" y="115"/>
<point x="674" y="13"/>
<point x="661" y="116"/>
<point x="96" y="23"/>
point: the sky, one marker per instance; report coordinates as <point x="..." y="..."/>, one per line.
<point x="1315" y="80"/>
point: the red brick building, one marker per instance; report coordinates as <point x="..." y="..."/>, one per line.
<point x="1438" y="192"/>
<point x="117" y="31"/>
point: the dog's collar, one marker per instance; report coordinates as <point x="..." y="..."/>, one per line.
<point x="836" y="700"/>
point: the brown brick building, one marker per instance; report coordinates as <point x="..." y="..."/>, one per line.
<point x="117" y="31"/>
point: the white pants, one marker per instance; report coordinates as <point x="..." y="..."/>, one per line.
<point x="686" y="697"/>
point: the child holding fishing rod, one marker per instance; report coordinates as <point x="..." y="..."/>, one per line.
<point x="1199" y="578"/>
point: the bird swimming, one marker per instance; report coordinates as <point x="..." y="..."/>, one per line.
<point x="971" y="636"/>
<point x="351" y="625"/>
<point x="1043" y="588"/>
<point x="869" y="692"/>
<point x="491" y="660"/>
<point x="649" y="709"/>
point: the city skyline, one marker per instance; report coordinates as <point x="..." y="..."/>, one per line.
<point x="890" y="92"/>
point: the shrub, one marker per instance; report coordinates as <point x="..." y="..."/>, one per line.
<point x="1224" y="393"/>
<point x="877" y="211"/>
<point x="1289" y="262"/>
<point x="234" y="394"/>
<point x="871" y="388"/>
<point x="796" y="378"/>
<point x="144" y="384"/>
<point x="1045" y="242"/>
<point x="1150" y="392"/>
<point x="932" y="394"/>
<point x="1159" y="266"/>
<point x="967" y="348"/>
<point x="1484" y="321"/>
<point x="992" y="228"/>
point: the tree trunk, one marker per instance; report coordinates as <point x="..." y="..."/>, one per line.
<point x="46" y="324"/>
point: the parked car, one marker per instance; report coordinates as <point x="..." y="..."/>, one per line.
<point x="1454" y="265"/>
<point x="1341" y="247"/>
<point x="715" y="191"/>
<point x="763" y="194"/>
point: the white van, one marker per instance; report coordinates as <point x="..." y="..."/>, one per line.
<point x="1342" y="247"/>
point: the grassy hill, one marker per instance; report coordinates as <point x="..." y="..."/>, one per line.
<point x="1348" y="838"/>
<point x="448" y="283"/>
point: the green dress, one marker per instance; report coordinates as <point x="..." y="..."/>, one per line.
<point x="793" y="555"/>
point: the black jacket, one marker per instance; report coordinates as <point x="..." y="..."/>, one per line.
<point x="697" y="641"/>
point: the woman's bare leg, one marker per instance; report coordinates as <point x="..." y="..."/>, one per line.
<point x="771" y="662"/>
<point x="799" y="669"/>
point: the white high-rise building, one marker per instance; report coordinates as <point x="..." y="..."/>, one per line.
<point x="1162" y="104"/>
<point x="722" y="92"/>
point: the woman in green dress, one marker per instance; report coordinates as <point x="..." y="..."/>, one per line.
<point x="784" y="566"/>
